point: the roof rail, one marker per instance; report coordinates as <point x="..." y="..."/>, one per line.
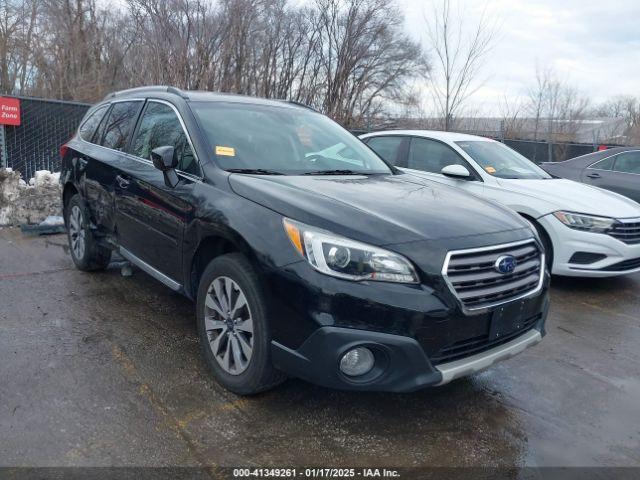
<point x="148" y="89"/>
<point x="300" y="104"/>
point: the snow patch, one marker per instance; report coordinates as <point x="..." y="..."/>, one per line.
<point x="29" y="203"/>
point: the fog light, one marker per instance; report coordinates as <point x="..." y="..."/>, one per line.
<point x="357" y="361"/>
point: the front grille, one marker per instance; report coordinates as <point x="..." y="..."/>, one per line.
<point x="471" y="346"/>
<point x="474" y="279"/>
<point x="623" y="266"/>
<point x="627" y="231"/>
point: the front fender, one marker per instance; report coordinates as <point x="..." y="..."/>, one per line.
<point x="251" y="228"/>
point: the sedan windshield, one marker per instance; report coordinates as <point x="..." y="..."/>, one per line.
<point x="501" y="161"/>
<point x="274" y="140"/>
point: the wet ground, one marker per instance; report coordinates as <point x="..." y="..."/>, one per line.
<point x="98" y="370"/>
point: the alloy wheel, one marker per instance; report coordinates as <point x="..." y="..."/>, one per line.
<point x="76" y="232"/>
<point x="229" y="325"/>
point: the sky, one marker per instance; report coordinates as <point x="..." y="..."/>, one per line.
<point x="593" y="45"/>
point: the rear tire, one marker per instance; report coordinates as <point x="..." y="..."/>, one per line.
<point x="233" y="326"/>
<point x="85" y="251"/>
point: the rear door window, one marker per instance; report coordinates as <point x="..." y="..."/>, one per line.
<point x="160" y="127"/>
<point x="88" y="127"/>
<point x="386" y="147"/>
<point x="628" y="162"/>
<point x="606" y="164"/>
<point x="121" y="120"/>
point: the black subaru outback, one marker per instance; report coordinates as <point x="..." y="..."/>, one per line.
<point x="306" y="254"/>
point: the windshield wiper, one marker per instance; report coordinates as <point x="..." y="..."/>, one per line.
<point x="334" y="172"/>
<point x="255" y="171"/>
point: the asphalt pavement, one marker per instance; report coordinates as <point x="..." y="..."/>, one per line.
<point x="97" y="369"/>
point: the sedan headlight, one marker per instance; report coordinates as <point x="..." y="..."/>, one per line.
<point x="586" y="223"/>
<point x="344" y="258"/>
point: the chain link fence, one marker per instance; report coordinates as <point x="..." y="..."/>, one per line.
<point x="45" y="126"/>
<point x="541" y="151"/>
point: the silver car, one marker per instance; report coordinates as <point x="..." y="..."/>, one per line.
<point x="616" y="169"/>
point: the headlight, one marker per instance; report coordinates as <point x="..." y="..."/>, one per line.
<point x="344" y="258"/>
<point x="585" y="223"/>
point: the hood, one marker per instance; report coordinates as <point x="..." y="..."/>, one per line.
<point x="378" y="209"/>
<point x="561" y="194"/>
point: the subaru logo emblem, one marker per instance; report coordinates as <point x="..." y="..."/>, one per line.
<point x="505" y="264"/>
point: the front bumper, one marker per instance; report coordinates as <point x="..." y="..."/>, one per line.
<point x="402" y="365"/>
<point x="419" y="336"/>
<point x="480" y="361"/>
<point x="566" y="242"/>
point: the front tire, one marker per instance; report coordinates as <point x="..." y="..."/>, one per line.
<point x="233" y="326"/>
<point x="85" y="251"/>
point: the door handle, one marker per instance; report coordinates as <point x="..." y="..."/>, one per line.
<point x="122" y="181"/>
<point x="593" y="175"/>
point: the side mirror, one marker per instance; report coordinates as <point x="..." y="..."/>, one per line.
<point x="456" y="171"/>
<point x="165" y="160"/>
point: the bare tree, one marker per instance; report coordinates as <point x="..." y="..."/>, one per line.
<point x="80" y="50"/>
<point x="18" y="30"/>
<point x="459" y="54"/>
<point x="349" y="58"/>
<point x="176" y="42"/>
<point x="364" y="57"/>
<point x="556" y="105"/>
<point x="627" y="108"/>
<point x="539" y="97"/>
<point x="512" y="121"/>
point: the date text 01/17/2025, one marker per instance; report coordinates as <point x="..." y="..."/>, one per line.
<point x="315" y="473"/>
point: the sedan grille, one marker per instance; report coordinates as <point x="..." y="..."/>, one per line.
<point x="473" y="277"/>
<point x="627" y="231"/>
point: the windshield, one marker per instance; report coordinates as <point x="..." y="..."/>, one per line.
<point x="267" y="139"/>
<point x="501" y="161"/>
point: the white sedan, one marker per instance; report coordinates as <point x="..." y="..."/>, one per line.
<point x="587" y="231"/>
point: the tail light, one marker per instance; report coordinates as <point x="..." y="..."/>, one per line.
<point x="63" y="150"/>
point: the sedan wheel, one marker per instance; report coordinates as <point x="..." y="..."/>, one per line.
<point x="229" y="325"/>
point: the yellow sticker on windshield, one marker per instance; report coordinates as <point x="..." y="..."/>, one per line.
<point x="225" y="151"/>
<point x="490" y="169"/>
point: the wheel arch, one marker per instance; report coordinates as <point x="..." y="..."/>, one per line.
<point x="210" y="247"/>
<point x="68" y="191"/>
<point x="542" y="232"/>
